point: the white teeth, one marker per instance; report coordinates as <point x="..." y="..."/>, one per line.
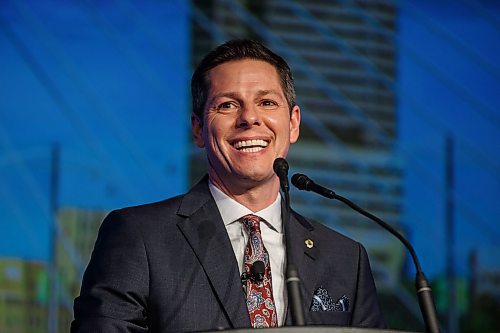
<point x="255" y="144"/>
<point x="251" y="150"/>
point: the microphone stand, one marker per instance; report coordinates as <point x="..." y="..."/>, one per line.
<point x="292" y="275"/>
<point x="292" y="279"/>
<point x="424" y="292"/>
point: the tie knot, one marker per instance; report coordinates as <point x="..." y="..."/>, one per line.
<point x="251" y="223"/>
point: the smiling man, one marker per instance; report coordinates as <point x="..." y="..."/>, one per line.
<point x="214" y="258"/>
<point x="245" y="125"/>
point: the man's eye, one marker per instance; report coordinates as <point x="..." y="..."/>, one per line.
<point x="269" y="104"/>
<point x="226" y="106"/>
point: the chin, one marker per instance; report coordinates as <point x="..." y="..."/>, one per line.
<point x="256" y="177"/>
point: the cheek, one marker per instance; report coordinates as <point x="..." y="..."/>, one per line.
<point x="280" y="126"/>
<point x="219" y="125"/>
<point x="214" y="134"/>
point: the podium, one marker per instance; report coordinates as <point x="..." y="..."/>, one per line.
<point x="314" y="329"/>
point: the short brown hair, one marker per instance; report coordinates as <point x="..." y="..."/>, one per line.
<point x="238" y="49"/>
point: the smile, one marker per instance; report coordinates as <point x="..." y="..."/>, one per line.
<point x="250" y="146"/>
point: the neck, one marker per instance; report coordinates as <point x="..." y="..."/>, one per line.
<point x="253" y="196"/>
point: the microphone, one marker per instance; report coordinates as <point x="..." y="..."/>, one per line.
<point x="302" y="182"/>
<point x="256" y="273"/>
<point x="280" y="167"/>
<point x="292" y="278"/>
<point x="424" y="292"/>
<point x="258" y="269"/>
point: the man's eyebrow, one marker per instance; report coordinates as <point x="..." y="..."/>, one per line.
<point x="229" y="94"/>
<point x="268" y="92"/>
<point x="235" y="95"/>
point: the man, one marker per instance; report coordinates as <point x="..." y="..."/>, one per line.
<point x="189" y="263"/>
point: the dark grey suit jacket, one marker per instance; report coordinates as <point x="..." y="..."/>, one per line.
<point x="169" y="267"/>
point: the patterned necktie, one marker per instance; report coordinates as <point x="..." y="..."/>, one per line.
<point x="260" y="302"/>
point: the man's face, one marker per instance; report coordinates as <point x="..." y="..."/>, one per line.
<point x="247" y="123"/>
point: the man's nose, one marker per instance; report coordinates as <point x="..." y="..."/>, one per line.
<point x="249" y="116"/>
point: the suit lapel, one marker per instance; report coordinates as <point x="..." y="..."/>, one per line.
<point x="206" y="234"/>
<point x="304" y="258"/>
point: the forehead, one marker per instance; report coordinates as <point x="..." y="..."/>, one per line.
<point x="246" y="72"/>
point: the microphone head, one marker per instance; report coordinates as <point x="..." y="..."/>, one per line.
<point x="280" y="165"/>
<point x="258" y="270"/>
<point x="301" y="181"/>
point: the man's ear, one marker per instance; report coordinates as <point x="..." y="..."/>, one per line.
<point x="197" y="130"/>
<point x="294" y="124"/>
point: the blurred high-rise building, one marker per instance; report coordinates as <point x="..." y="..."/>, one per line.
<point x="343" y="56"/>
<point x="78" y="232"/>
<point x="25" y="292"/>
<point x="23" y="296"/>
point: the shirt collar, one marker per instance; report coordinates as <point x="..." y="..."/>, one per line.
<point x="231" y="210"/>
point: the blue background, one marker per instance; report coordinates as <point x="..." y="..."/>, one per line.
<point x="449" y="86"/>
<point x="107" y="82"/>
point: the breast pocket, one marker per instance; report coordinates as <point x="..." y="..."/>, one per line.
<point x="332" y="318"/>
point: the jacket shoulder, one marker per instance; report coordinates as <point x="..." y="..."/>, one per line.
<point x="150" y="209"/>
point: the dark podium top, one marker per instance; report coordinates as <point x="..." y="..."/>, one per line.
<point x="316" y="329"/>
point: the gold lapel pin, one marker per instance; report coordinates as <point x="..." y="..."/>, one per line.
<point x="309" y="243"/>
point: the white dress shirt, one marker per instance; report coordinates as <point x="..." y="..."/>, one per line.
<point x="272" y="235"/>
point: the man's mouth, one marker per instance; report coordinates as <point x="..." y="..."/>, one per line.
<point x="251" y="146"/>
